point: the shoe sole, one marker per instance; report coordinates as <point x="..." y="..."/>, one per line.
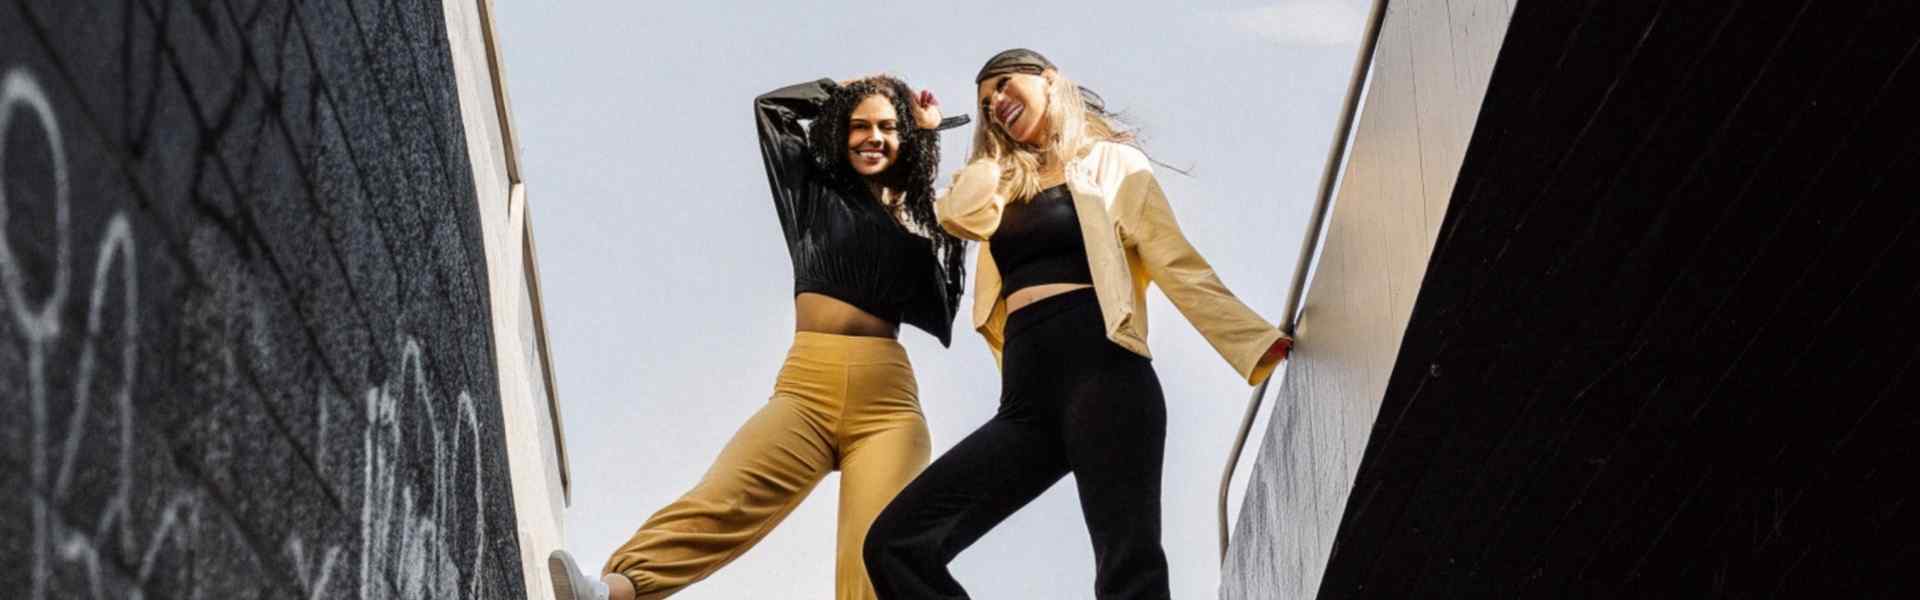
<point x="560" y="568"/>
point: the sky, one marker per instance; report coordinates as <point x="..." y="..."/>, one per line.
<point x="668" y="288"/>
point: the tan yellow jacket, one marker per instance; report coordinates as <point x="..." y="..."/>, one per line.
<point x="1131" y="240"/>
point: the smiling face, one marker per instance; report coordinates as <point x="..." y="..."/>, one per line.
<point x="1016" y="104"/>
<point x="873" y="136"/>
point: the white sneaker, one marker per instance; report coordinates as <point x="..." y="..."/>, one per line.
<point x="569" y="583"/>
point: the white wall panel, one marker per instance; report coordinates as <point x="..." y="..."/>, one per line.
<point x="1429" y="74"/>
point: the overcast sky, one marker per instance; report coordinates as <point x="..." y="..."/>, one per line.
<point x="668" y="288"/>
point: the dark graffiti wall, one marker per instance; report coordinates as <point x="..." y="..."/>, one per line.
<point x="244" y="329"/>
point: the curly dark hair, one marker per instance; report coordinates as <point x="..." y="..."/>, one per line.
<point x="913" y="171"/>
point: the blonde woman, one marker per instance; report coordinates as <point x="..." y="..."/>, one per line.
<point x="1074" y="227"/>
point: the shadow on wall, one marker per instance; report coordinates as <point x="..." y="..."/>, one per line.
<point x="244" y="336"/>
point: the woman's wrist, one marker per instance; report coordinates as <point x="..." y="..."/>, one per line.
<point x="926" y="110"/>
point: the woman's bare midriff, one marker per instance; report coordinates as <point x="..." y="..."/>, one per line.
<point x="1022" y="297"/>
<point x="820" y="313"/>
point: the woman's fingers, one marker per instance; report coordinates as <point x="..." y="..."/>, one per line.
<point x="926" y="110"/>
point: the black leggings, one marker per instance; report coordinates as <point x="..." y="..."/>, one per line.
<point x="1071" y="401"/>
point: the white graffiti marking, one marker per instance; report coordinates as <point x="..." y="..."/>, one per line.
<point x="398" y="539"/>
<point x="315" y="582"/>
<point x="19" y="91"/>
<point x="52" y="476"/>
<point x="407" y="545"/>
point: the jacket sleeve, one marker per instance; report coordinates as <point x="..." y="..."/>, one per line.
<point x="783" y="147"/>
<point x="1234" y="330"/>
<point x="933" y="308"/>
<point x="971" y="208"/>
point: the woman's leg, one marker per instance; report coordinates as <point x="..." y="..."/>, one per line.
<point x="1115" y="432"/>
<point x="966" y="492"/>
<point x="885" y="445"/>
<point x="769" y="466"/>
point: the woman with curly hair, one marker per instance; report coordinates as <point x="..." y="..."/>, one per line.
<point x="1073" y="227"/>
<point x="854" y="193"/>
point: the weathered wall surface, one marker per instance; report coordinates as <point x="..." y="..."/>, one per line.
<point x="1430" y="72"/>
<point x="245" y="334"/>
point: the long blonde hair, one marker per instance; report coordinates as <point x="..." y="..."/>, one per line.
<point x="1076" y="127"/>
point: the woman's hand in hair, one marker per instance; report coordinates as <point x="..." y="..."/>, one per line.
<point x="926" y="110"/>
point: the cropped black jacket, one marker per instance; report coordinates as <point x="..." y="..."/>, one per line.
<point x="843" y="243"/>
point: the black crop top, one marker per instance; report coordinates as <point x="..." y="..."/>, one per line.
<point x="1039" y="242"/>
<point x="843" y="243"/>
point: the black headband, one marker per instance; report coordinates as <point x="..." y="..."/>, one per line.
<point x="1022" y="60"/>
<point x="1017" y="60"/>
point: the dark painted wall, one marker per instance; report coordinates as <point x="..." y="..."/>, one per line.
<point x="1666" y="344"/>
<point x="244" y="333"/>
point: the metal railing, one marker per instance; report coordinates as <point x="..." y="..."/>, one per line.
<point x="1336" y="155"/>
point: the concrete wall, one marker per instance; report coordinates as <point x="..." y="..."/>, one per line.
<point x="262" y="331"/>
<point x="1430" y="72"/>
<point x="533" y="445"/>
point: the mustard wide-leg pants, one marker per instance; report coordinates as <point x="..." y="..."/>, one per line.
<point x="842" y="402"/>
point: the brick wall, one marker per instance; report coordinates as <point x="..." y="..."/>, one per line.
<point x="244" y="335"/>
